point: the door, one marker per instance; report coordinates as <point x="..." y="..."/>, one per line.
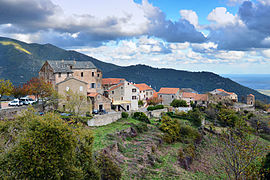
<point x="100" y="107"/>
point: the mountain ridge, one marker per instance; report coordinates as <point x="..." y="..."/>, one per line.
<point x="19" y="67"/>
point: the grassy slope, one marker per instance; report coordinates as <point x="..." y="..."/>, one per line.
<point x="166" y="164"/>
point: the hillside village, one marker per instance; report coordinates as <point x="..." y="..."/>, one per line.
<point x="115" y="129"/>
<point x="117" y="94"/>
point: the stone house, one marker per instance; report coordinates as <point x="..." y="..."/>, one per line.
<point x="124" y="96"/>
<point x="198" y="99"/>
<point x="168" y="95"/>
<point x="146" y="91"/>
<point x="57" y="71"/>
<point x="251" y="99"/>
<point x="77" y="86"/>
<point x="78" y="76"/>
<point x="218" y="95"/>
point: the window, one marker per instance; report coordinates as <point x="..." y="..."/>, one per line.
<point x="128" y="83"/>
<point x="68" y="74"/>
<point x="70" y="67"/>
<point x="160" y="96"/>
<point x="134" y="97"/>
<point x="122" y="98"/>
<point x="59" y="74"/>
<point x="172" y="96"/>
<point x="140" y="91"/>
<point x="127" y="107"/>
<point x="93" y="74"/>
<point x="81" y="74"/>
<point x="151" y="93"/>
<point x="146" y="93"/>
<point x="93" y="85"/>
<point x="112" y="92"/>
<point x="67" y="88"/>
<point x="98" y="85"/>
<point x="98" y="75"/>
<point x="81" y="88"/>
<point x="133" y="90"/>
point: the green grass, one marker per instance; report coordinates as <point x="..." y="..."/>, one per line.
<point x="263" y="91"/>
<point x="100" y="133"/>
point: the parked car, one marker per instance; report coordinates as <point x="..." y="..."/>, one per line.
<point x="15" y="102"/>
<point x="25" y="101"/>
<point x="31" y="101"/>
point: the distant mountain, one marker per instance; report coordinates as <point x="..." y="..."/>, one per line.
<point x="20" y="61"/>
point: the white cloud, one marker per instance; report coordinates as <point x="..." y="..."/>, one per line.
<point x="221" y="18"/>
<point x="190" y="16"/>
<point x="266" y="53"/>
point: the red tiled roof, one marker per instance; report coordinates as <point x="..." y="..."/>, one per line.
<point x="168" y="90"/>
<point x="188" y="95"/>
<point x="143" y="87"/>
<point x="201" y="97"/>
<point x="222" y="90"/>
<point x="114" y="87"/>
<point x="251" y="95"/>
<point x="111" y="81"/>
<point x="155" y="94"/>
<point x="197" y="97"/>
<point x="92" y="94"/>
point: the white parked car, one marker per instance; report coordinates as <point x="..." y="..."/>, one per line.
<point x="27" y="100"/>
<point x="15" y="102"/>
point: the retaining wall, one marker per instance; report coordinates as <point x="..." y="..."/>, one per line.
<point x="101" y="120"/>
<point x="11" y="113"/>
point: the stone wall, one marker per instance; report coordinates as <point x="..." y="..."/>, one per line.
<point x="101" y="120"/>
<point x="11" y="113"/>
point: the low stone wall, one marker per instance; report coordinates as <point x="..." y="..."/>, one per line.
<point x="156" y="113"/>
<point x="11" y="113"/>
<point x="102" y="120"/>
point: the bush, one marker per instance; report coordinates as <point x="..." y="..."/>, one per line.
<point x="179" y="103"/>
<point x="151" y="108"/>
<point x="196" y="117"/>
<point x="141" y="117"/>
<point x="48" y="148"/>
<point x="124" y="115"/>
<point x="140" y="103"/>
<point x="108" y="169"/>
<point x="171" y="128"/>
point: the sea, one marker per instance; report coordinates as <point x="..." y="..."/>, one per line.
<point x="254" y="81"/>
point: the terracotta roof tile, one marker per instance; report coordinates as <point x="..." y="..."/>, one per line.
<point x="168" y="90"/>
<point x="143" y="87"/>
<point x="111" y="81"/>
<point x="155" y="94"/>
<point x="92" y="94"/>
<point x="116" y="86"/>
<point x="222" y="90"/>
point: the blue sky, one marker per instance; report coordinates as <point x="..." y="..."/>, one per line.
<point x="222" y="36"/>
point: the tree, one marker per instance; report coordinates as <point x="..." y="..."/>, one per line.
<point x="237" y="152"/>
<point x="6" y="88"/>
<point x="154" y="101"/>
<point x="179" y="103"/>
<point x="19" y="91"/>
<point x="39" y="87"/>
<point x="48" y="148"/>
<point x="76" y="103"/>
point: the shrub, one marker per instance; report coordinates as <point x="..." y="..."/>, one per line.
<point x="190" y="133"/>
<point x="196" y="117"/>
<point x="179" y="103"/>
<point x="108" y="169"/>
<point x="171" y="128"/>
<point x="124" y="115"/>
<point x="154" y="101"/>
<point x="151" y="108"/>
<point x="140" y="103"/>
<point x="141" y="117"/>
<point x="265" y="170"/>
<point x="48" y="148"/>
